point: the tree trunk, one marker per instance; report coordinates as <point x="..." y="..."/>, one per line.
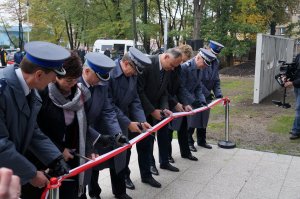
<point x="135" y="38"/>
<point x="160" y="22"/>
<point x="273" y="27"/>
<point x="198" y="9"/>
<point x="146" y="41"/>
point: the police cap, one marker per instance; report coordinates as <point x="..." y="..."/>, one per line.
<point x="47" y="55"/>
<point x="207" y="56"/>
<point x="100" y="64"/>
<point x="215" y="47"/>
<point x="139" y="59"/>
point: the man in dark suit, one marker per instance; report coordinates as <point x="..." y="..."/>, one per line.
<point x="152" y="89"/>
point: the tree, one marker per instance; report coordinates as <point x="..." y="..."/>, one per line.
<point x="17" y="10"/>
<point x="276" y="11"/>
<point x="198" y="13"/>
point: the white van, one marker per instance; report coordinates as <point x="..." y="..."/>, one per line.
<point x="119" y="46"/>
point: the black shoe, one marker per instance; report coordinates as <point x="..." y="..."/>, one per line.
<point x="171" y="160"/>
<point x="154" y="170"/>
<point x="123" y="196"/>
<point x="151" y="181"/>
<point x="294" y="136"/>
<point x="129" y="183"/>
<point x="169" y="167"/>
<point x="190" y="157"/>
<point x="192" y="148"/>
<point x="205" y="145"/>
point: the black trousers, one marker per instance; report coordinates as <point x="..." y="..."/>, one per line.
<point x="117" y="182"/>
<point x="183" y="138"/>
<point x="201" y="135"/>
<point x="164" y="143"/>
<point x="144" y="152"/>
<point x="170" y="140"/>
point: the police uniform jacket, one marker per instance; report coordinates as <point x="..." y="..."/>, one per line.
<point x="19" y="131"/>
<point x="210" y="82"/>
<point x="210" y="79"/>
<point x="125" y="98"/>
<point x="153" y="95"/>
<point x="191" y="89"/>
<point x="101" y="117"/>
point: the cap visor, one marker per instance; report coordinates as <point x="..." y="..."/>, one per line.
<point x="207" y="63"/>
<point x="60" y="71"/>
<point x="105" y="77"/>
<point x="139" y="70"/>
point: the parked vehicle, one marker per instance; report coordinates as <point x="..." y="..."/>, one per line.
<point x="117" y="47"/>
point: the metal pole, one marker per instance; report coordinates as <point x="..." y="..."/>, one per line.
<point x="227" y="122"/>
<point x="226" y="144"/>
<point x="54" y="189"/>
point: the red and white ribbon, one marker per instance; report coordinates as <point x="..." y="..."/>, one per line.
<point x="56" y="182"/>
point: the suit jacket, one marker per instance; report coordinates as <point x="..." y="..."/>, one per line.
<point x="175" y="95"/>
<point x="125" y="99"/>
<point x="19" y="131"/>
<point x="152" y="94"/>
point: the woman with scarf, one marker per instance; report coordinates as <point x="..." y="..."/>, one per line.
<point x="62" y="118"/>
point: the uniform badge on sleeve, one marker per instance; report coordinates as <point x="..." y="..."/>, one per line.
<point x="3" y="84"/>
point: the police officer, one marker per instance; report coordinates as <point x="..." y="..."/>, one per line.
<point x="103" y="119"/>
<point x="175" y="103"/>
<point x="152" y="89"/>
<point x="19" y="106"/>
<point x="192" y="89"/>
<point x="210" y="83"/>
<point x="131" y="116"/>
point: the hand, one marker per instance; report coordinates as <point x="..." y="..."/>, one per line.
<point x="167" y="113"/>
<point x="59" y="167"/>
<point x="40" y="180"/>
<point x="288" y="84"/>
<point x="219" y="96"/>
<point x="156" y="114"/>
<point x="67" y="154"/>
<point x="146" y="125"/>
<point x="134" y="127"/>
<point x="188" y="108"/>
<point x="121" y="139"/>
<point x="106" y="140"/>
<point x="179" y="107"/>
<point x="93" y="156"/>
<point x="9" y="184"/>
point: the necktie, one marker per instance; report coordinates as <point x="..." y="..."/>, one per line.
<point x="92" y="90"/>
<point x="28" y="98"/>
<point x="161" y="76"/>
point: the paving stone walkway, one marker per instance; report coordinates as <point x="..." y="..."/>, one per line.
<point x="219" y="174"/>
